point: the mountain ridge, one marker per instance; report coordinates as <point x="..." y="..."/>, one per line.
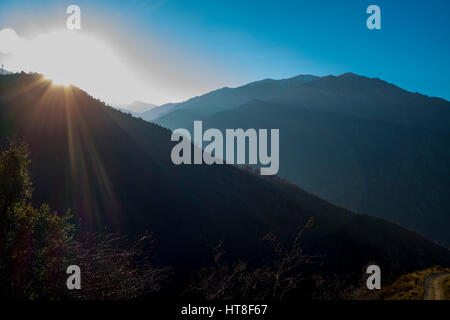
<point x="406" y="135"/>
<point x="334" y="93"/>
<point x="136" y="107"/>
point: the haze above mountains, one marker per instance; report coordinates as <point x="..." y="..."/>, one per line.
<point x="135" y="108"/>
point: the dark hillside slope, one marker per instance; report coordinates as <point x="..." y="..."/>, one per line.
<point x="115" y="172"/>
<point x="392" y="171"/>
<point x="358" y="142"/>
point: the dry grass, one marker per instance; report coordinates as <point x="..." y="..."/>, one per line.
<point x="273" y="281"/>
<point x="410" y="286"/>
<point x="115" y="269"/>
<point x="446" y="285"/>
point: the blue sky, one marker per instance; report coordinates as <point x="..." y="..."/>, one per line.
<point x="234" y="42"/>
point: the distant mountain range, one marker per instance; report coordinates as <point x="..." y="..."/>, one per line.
<point x="358" y="142"/>
<point x="183" y="114"/>
<point x="135" y="108"/>
<point x="348" y="94"/>
<point x="158" y="112"/>
<point x="114" y="171"/>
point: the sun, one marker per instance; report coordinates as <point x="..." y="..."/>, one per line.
<point x="59" y="81"/>
<point x="74" y="58"/>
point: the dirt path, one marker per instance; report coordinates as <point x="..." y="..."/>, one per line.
<point x="433" y="286"/>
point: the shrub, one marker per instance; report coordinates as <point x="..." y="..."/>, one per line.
<point x="37" y="246"/>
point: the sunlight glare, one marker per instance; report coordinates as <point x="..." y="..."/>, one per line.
<point x="73" y="58"/>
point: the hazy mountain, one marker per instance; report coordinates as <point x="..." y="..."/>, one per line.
<point x="158" y="112"/>
<point x="135" y="108"/>
<point x="140" y="107"/>
<point x="183" y="114"/>
<point x="360" y="143"/>
<point x="350" y="94"/>
<point x="115" y="172"/>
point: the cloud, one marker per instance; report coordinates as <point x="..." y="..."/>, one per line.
<point x="10" y="42"/>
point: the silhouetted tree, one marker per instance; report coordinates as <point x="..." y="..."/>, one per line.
<point x="34" y="242"/>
